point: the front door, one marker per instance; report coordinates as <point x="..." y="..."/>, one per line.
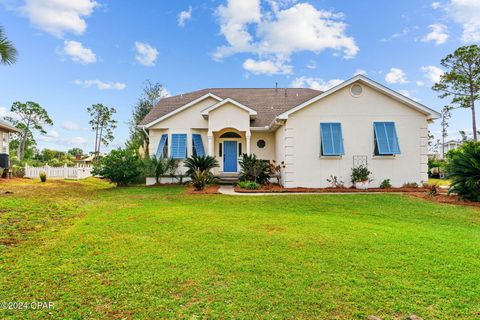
<point x="230" y="156"/>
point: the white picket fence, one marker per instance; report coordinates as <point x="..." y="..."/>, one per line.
<point x="77" y="172"/>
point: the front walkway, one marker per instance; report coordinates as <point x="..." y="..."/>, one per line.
<point x="229" y="190"/>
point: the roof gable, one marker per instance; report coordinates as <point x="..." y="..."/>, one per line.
<point x="250" y="111"/>
<point x="430" y="113"/>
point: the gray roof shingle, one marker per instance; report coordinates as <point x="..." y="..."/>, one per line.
<point x="268" y="102"/>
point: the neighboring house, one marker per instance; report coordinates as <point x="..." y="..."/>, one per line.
<point x="448" y="145"/>
<point x="86" y="160"/>
<point x="5" y="130"/>
<point x="317" y="134"/>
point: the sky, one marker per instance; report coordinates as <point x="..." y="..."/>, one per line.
<point x="74" y="53"/>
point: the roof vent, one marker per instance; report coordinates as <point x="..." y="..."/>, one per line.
<point x="356" y="90"/>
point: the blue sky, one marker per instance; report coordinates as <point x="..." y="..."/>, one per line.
<point x="74" y="53"/>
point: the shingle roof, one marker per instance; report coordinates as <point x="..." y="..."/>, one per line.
<point x="268" y="102"/>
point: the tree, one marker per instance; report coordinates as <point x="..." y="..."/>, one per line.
<point x="75" y="151"/>
<point x="464" y="135"/>
<point x="8" y="53"/>
<point x="29" y="116"/>
<point x="446" y="115"/>
<point x="151" y="95"/>
<point x="461" y="80"/>
<point x="103" y="124"/>
<point x="463" y="168"/>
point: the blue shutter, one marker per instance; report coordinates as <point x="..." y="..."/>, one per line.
<point x="332" y="139"/>
<point x="161" y="146"/>
<point x="198" y="144"/>
<point x="386" y="138"/>
<point x="178" y="146"/>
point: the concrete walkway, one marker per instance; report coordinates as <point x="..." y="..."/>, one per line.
<point x="228" y="190"/>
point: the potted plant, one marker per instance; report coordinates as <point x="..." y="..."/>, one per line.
<point x="361" y="177"/>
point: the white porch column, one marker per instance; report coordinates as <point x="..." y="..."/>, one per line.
<point x="248" y="135"/>
<point x="210" y="143"/>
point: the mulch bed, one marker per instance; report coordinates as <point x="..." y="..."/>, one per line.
<point x="213" y="189"/>
<point x="274" y="188"/>
<point x="445" y="198"/>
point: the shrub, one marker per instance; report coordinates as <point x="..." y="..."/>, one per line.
<point x="199" y="170"/>
<point x="253" y="169"/>
<point x="335" y="182"/>
<point x="432" y="189"/>
<point x="249" y="185"/>
<point x="43" y="176"/>
<point x="385" y="184"/>
<point x="121" y="166"/>
<point x="410" y="185"/>
<point x="17" y="171"/>
<point x="463" y="168"/>
<point x="360" y="174"/>
<point x="156" y="167"/>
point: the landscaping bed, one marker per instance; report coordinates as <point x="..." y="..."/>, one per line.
<point x="275" y="188"/>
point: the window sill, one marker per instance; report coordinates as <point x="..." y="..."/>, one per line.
<point x="330" y="157"/>
<point x="375" y="157"/>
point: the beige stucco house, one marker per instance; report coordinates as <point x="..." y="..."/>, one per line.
<point x="317" y="134"/>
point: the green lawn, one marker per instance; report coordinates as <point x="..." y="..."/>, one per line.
<point x="144" y="253"/>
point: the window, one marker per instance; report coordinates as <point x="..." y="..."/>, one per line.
<point x="178" y="146"/>
<point x="162" y="150"/>
<point x="386" y="140"/>
<point x="230" y="135"/>
<point x="220" y="150"/>
<point x="261" y="143"/>
<point x="198" y="149"/>
<point x="331" y="139"/>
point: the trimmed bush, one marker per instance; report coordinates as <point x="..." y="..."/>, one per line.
<point x="463" y="169"/>
<point x="43" y="176"/>
<point x="121" y="166"/>
<point x="385" y="184"/>
<point x="249" y="185"/>
<point x="360" y="174"/>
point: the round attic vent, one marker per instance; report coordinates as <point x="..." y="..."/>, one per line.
<point x="356" y="90"/>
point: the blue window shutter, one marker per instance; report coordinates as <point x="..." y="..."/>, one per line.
<point x="161" y="146"/>
<point x="332" y="139"/>
<point x="198" y="144"/>
<point x="178" y="147"/>
<point x="386" y="138"/>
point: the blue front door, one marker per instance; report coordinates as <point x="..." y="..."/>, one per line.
<point x="230" y="156"/>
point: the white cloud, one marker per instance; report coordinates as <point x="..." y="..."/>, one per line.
<point x="58" y="17"/>
<point x="435" y="5"/>
<point x="315" y="83"/>
<point x="432" y="73"/>
<point x="438" y="33"/>
<point x="396" y="75"/>
<point x="268" y="67"/>
<point x="78" y="53"/>
<point x="278" y="33"/>
<point x="396" y="35"/>
<point x="102" y="85"/>
<point x="4" y="112"/>
<point x="420" y="83"/>
<point x="467" y="14"/>
<point x="184" y="16"/>
<point x="54" y="137"/>
<point x="146" y="54"/>
<point x="360" y="71"/>
<point x="70" y="125"/>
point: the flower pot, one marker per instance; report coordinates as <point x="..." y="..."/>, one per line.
<point x="362" y="185"/>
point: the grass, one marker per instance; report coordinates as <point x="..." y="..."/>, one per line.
<point x="440" y="182"/>
<point x="104" y="253"/>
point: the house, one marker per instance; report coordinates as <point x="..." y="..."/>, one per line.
<point x="317" y="134"/>
<point x="451" y="145"/>
<point x="447" y="146"/>
<point x="5" y="130"/>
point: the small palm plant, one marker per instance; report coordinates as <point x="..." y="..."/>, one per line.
<point x="463" y="169"/>
<point x="156" y="167"/>
<point x="199" y="170"/>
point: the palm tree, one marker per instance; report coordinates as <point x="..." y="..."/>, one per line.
<point x="8" y="53"/>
